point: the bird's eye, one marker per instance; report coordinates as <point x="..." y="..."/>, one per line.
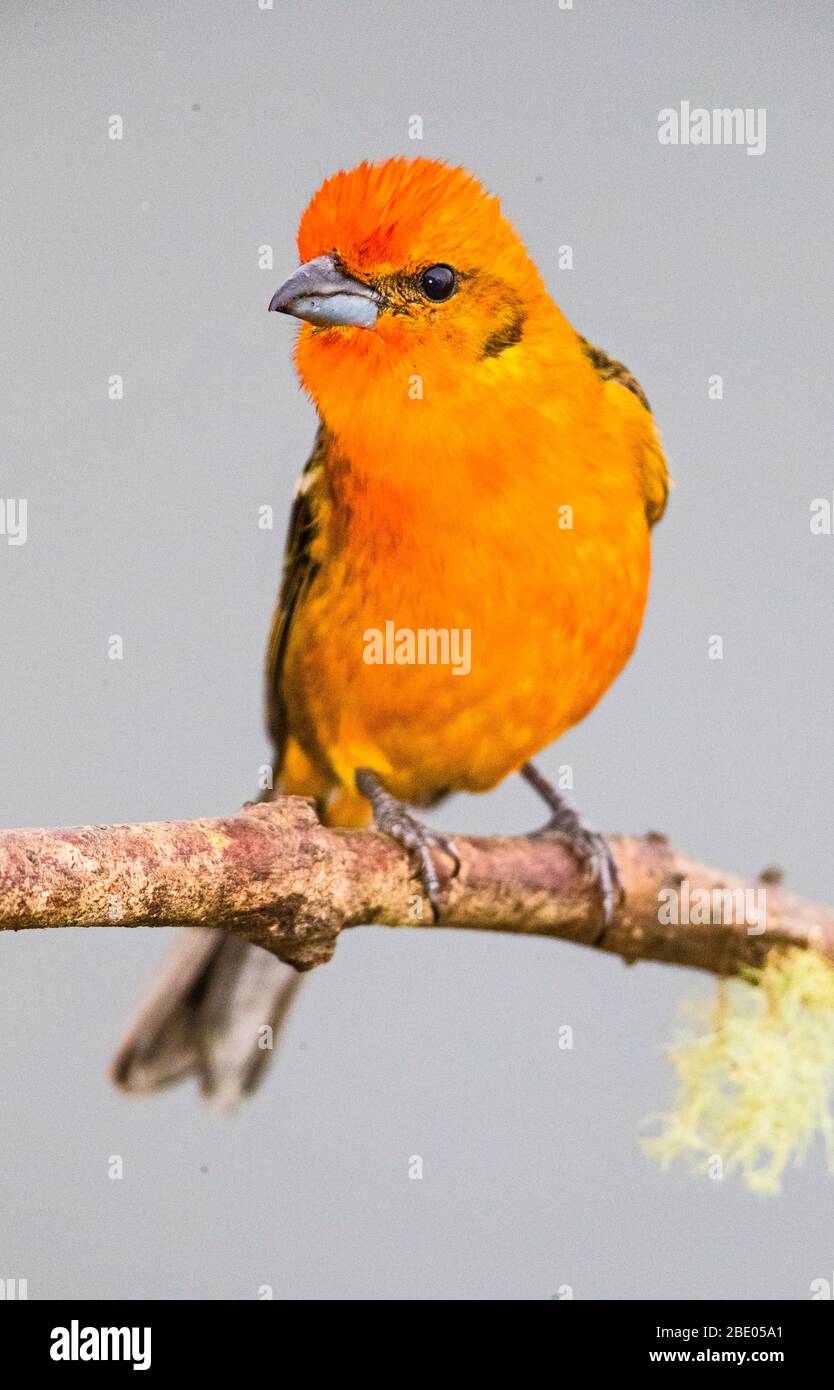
<point x="438" y="282"/>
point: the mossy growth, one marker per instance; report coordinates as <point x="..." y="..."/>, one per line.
<point x="755" y="1084"/>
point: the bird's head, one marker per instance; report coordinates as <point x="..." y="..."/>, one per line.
<point x="409" y="273"/>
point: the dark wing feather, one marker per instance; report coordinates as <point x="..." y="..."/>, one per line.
<point x="609" y="369"/>
<point x="654" y="471"/>
<point x="299" y="570"/>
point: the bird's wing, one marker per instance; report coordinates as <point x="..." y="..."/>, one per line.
<point x="608" y="369"/>
<point x="299" y="570"/>
<point x="654" y="473"/>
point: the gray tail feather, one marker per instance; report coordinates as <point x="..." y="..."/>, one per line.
<point x="206" y="1016"/>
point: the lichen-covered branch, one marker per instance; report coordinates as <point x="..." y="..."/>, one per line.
<point x="274" y="875"/>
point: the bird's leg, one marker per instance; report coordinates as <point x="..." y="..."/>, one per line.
<point x="394" y="819"/>
<point x="589" y="848"/>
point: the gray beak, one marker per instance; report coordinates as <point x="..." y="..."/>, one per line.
<point x="322" y="294"/>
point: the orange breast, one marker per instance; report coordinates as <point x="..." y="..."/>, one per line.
<point x="462" y="618"/>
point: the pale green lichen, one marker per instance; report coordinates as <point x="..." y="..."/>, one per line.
<point x="756" y="1086"/>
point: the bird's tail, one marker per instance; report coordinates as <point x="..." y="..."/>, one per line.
<point x="214" y="1012"/>
<point x="218" y="1006"/>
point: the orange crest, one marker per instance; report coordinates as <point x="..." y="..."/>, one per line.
<point x="404" y="212"/>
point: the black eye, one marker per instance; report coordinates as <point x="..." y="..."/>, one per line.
<point x="438" y="282"/>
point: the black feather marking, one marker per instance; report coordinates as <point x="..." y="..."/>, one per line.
<point x="608" y="369"/>
<point x="506" y="336"/>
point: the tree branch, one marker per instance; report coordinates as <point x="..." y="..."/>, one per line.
<point x="277" y="877"/>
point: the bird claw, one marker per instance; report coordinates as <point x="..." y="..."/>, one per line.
<point x="420" y="840"/>
<point x="593" y="853"/>
<point x="605" y="876"/>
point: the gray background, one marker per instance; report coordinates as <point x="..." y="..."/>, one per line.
<point x="140" y="258"/>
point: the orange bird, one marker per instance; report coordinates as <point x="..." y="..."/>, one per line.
<point x="467" y="563"/>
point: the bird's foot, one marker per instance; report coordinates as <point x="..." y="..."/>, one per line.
<point x="394" y="819"/>
<point x="590" y="849"/>
<point x="592" y="852"/>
